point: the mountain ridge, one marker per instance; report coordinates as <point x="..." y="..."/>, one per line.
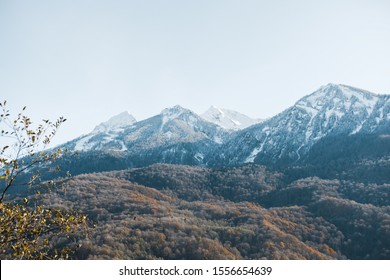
<point x="288" y="136"/>
<point x="180" y="136"/>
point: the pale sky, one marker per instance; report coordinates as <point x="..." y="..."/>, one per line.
<point x="90" y="60"/>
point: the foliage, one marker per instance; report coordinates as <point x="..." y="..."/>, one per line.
<point x="24" y="232"/>
<point x="25" y="227"/>
<point x="137" y="222"/>
<point x="249" y="211"/>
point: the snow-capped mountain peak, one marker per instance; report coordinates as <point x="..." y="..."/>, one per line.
<point x="332" y="102"/>
<point x="339" y="94"/>
<point x="331" y="111"/>
<point x="120" y="121"/>
<point x="106" y="134"/>
<point x="174" y="112"/>
<point x="228" y="119"/>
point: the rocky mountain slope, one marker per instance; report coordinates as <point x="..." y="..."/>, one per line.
<point x="333" y="110"/>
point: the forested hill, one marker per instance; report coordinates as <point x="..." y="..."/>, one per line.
<point x="183" y="212"/>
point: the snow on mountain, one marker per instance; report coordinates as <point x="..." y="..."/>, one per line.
<point x="331" y="103"/>
<point x="175" y="135"/>
<point x="178" y="135"/>
<point x="105" y="134"/>
<point x="117" y="122"/>
<point x="228" y="119"/>
<point x="176" y="112"/>
<point x="172" y="126"/>
<point x="287" y="137"/>
<point x="180" y="125"/>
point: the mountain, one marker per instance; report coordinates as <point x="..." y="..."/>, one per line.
<point x="176" y="135"/>
<point x="337" y="129"/>
<point x="105" y="135"/>
<point x="228" y="119"/>
<point x="332" y="111"/>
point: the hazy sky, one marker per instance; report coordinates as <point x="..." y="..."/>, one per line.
<point x="90" y="60"/>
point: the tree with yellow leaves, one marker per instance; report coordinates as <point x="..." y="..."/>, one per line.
<point x="27" y="226"/>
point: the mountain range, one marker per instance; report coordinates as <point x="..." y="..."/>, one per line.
<point x="337" y="116"/>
